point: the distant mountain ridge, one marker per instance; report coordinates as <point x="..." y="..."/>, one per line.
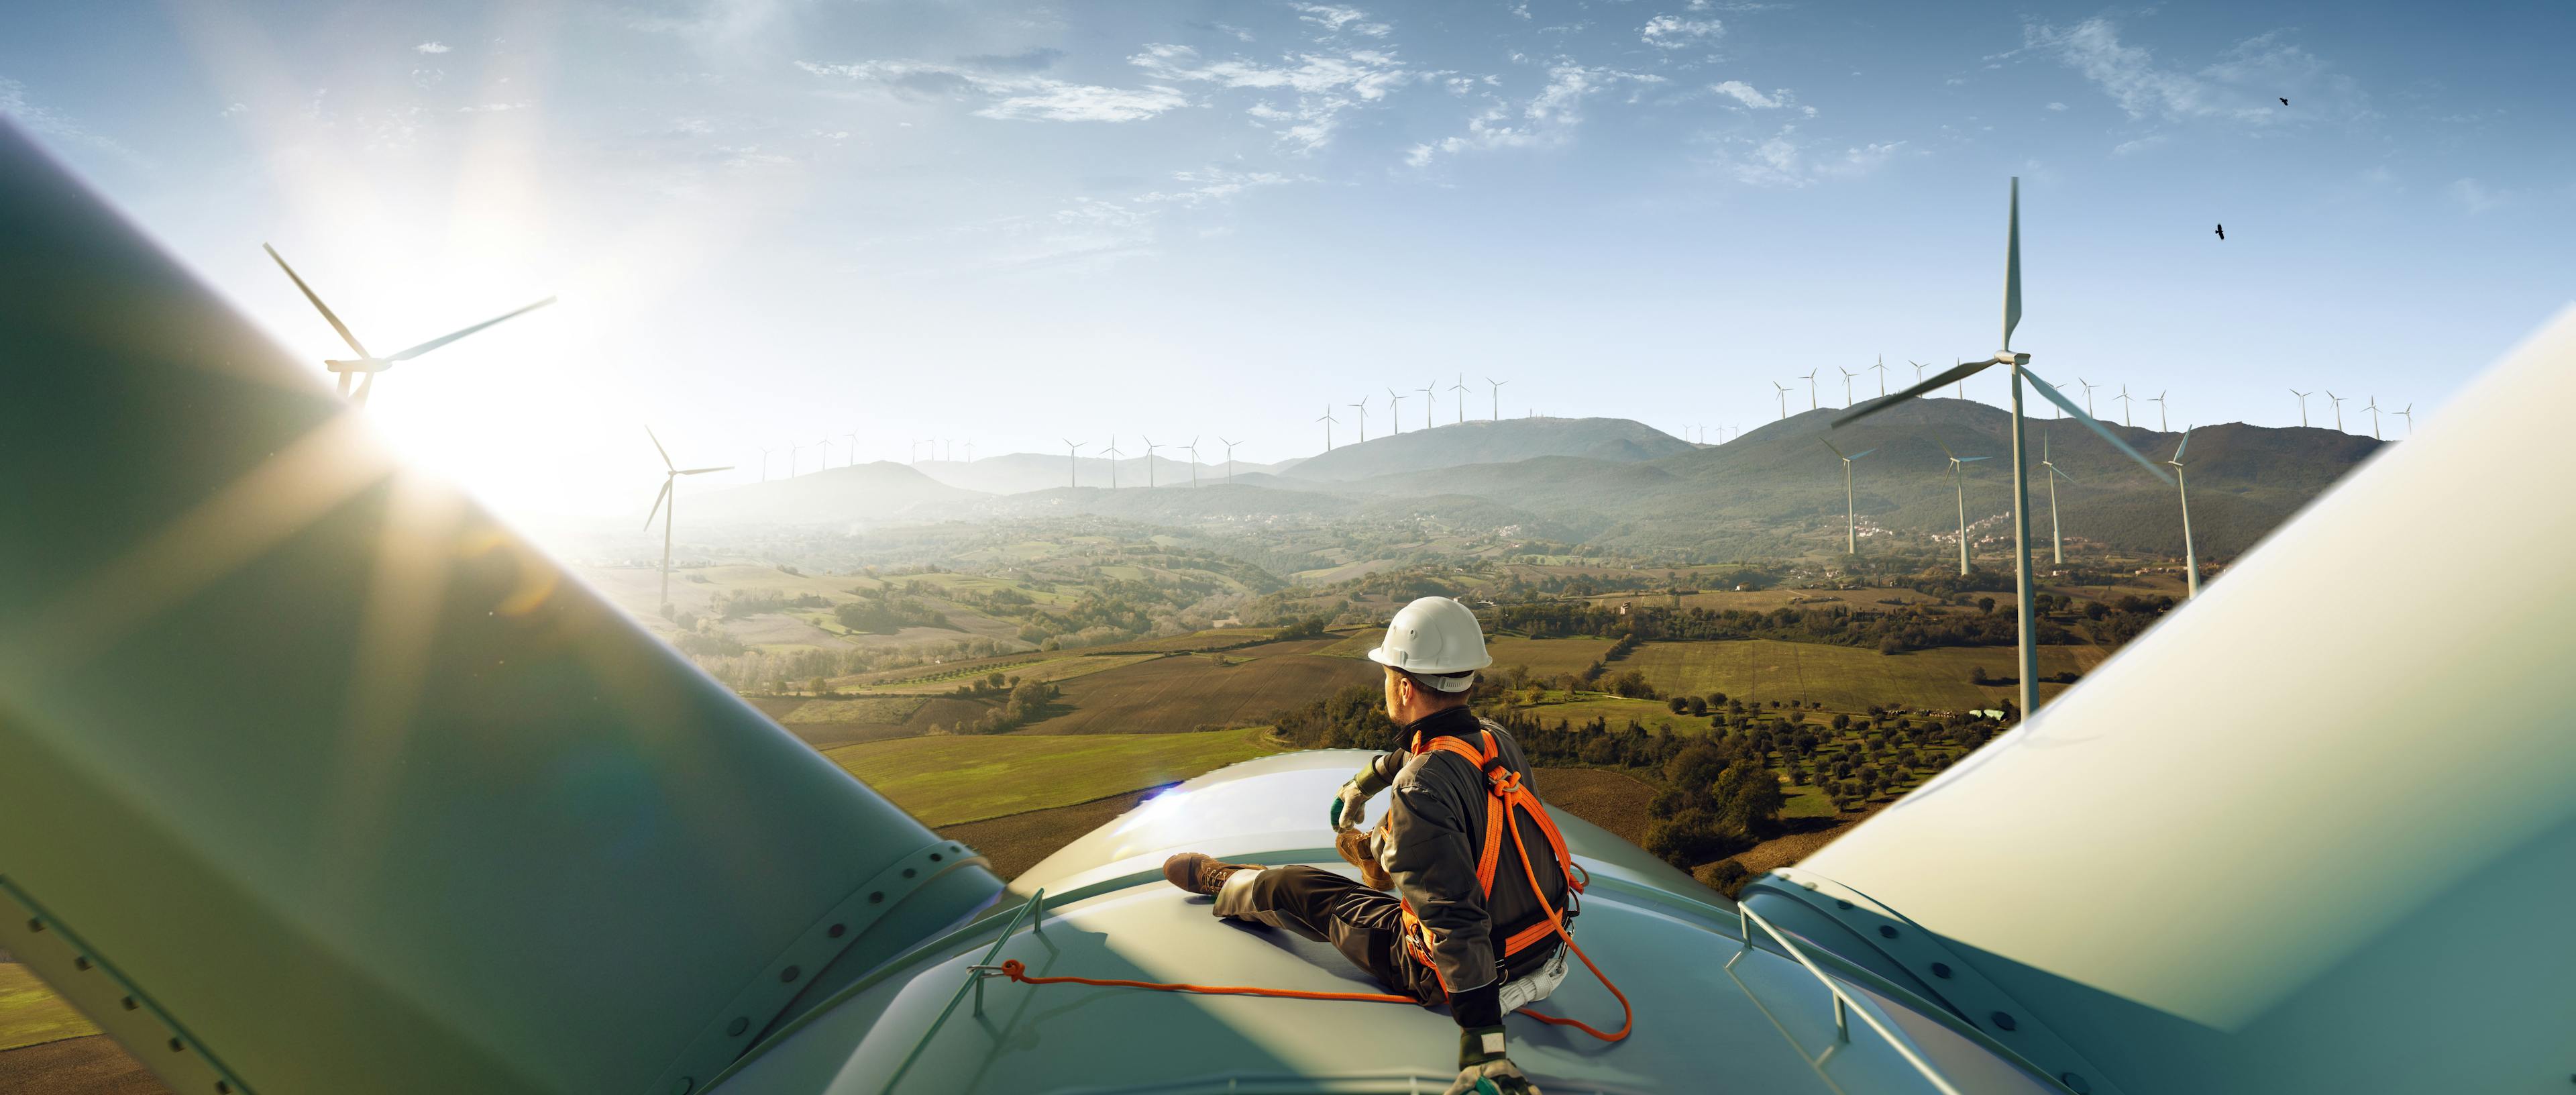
<point x="1459" y="444"/>
<point x="877" y="491"/>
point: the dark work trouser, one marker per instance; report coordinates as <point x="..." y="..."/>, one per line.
<point x="1365" y="925"/>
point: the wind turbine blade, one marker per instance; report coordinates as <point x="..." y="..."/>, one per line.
<point x="657" y="502"/>
<point x="2186" y="443"/>
<point x="443" y="340"/>
<point x="1973" y="459"/>
<point x="1837" y="452"/>
<point x="703" y="471"/>
<point x="2052" y="470"/>
<point x="325" y="309"/>
<point x="1945" y="449"/>
<point x="657" y="447"/>
<point x="1884" y="402"/>
<point x="2012" y="265"/>
<point x="1862" y="453"/>
<point x="2049" y="392"/>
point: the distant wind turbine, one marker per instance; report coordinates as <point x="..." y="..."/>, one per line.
<point x="1328" y="421"/>
<point x="2409" y="415"/>
<point x="2056" y="539"/>
<point x="1229" y="461"/>
<point x="1847" y="379"/>
<point x="369" y="363"/>
<point x="2124" y="406"/>
<point x="1810" y="378"/>
<point x="1498" y="396"/>
<point x="670" y="474"/>
<point x="2338" y="401"/>
<point x="1851" y="513"/>
<point x="1113" y="454"/>
<point x="1958" y="466"/>
<point x="1394" y="415"/>
<point x="1429" y="401"/>
<point x="764" y="464"/>
<point x="1362" y="407"/>
<point x="2303" y="405"/>
<point x="793" y="449"/>
<point x="826" y="445"/>
<point x="1073" y="462"/>
<point x="2190" y="558"/>
<point x="1193" y="448"/>
<point x="1918" y="370"/>
<point x="2019" y="364"/>
<point x="1150" y="446"/>
<point x="854" y="447"/>
<point x="2162" y="425"/>
<point x="1963" y="381"/>
<point x="1784" y="399"/>
<point x="2088" y="393"/>
<point x="1882" y="373"/>
<point x="2373" y="408"/>
<point x="1461" y="388"/>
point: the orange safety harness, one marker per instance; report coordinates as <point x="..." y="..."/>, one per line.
<point x="1508" y="796"/>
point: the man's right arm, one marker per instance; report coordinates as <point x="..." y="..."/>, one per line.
<point x="1375" y="776"/>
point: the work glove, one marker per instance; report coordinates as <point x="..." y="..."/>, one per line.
<point x="1348" y="804"/>
<point x="1482" y="1068"/>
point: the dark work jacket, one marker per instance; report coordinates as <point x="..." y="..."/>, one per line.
<point x="1436" y="832"/>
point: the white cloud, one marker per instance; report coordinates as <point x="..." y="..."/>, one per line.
<point x="2244" y="86"/>
<point x="1549" y="118"/>
<point x="1212" y="184"/>
<point x="1334" y="19"/>
<point x="2473" y="195"/>
<point x="2143" y="144"/>
<point x="1787" y="159"/>
<point x="1014" y="96"/>
<point x="1744" y="93"/>
<point x="1327" y="86"/>
<point x="49" y="122"/>
<point x="1674" y="32"/>
<point x="430" y="47"/>
<point x="2056" y="106"/>
<point x="493" y="108"/>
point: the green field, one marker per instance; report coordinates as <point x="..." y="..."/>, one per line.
<point x="1542" y="657"/>
<point x="31" y="1013"/>
<point x="1186" y="693"/>
<point x="1199" y="640"/>
<point x="1843" y="678"/>
<point x="949" y="780"/>
<point x="940" y="681"/>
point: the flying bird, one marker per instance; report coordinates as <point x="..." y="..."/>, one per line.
<point x="2222" y="231"/>
<point x="2284" y="102"/>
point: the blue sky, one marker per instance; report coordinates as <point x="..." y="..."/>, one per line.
<point x="775" y="219"/>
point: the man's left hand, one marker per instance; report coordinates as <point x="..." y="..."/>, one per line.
<point x="1483" y="1069"/>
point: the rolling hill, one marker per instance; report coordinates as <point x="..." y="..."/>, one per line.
<point x="1457" y="444"/>
<point x="880" y="491"/>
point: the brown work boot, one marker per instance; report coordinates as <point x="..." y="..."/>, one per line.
<point x="1200" y="873"/>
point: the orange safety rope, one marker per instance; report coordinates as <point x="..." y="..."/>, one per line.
<point x="1506" y="798"/>
<point x="1018" y="971"/>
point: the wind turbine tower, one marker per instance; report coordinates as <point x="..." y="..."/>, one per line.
<point x="1113" y="454"/>
<point x="1193" y="448"/>
<point x="2088" y="393"/>
<point x="1882" y="374"/>
<point x="1810" y="378"/>
<point x="764" y="464"/>
<point x="1394" y="412"/>
<point x="1851" y="513"/>
<point x="1229" y="461"/>
<point x="2124" y="406"/>
<point x="671" y="473"/>
<point x="1784" y="399"/>
<point x="2409" y="415"/>
<point x="2162" y="426"/>
<point x="1150" y="446"/>
<point x="2190" y="558"/>
<point x="2338" y="401"/>
<point x="1461" y="388"/>
<point x="1847" y="379"/>
<point x="1958" y="466"/>
<point x="2303" y="405"/>
<point x="2373" y="408"/>
<point x="2019" y="363"/>
<point x="1497" y="393"/>
<point x="1362" y="407"/>
<point x="1073" y="462"/>
<point x="854" y="447"/>
<point x="1327" y="419"/>
<point x="2056" y="539"/>
<point x="792" y="450"/>
<point x="1429" y="402"/>
<point x="369" y="363"/>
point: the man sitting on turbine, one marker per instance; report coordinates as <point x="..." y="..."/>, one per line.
<point x="1470" y="926"/>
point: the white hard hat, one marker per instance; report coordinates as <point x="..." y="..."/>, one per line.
<point x="1435" y="637"/>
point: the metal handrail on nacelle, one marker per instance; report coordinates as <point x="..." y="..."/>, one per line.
<point x="1844" y="1005"/>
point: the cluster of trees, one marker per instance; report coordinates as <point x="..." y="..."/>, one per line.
<point x="879" y="610"/>
<point x="1892" y="630"/>
<point x="753" y="602"/>
<point x="1017" y="703"/>
<point x="2112" y="624"/>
